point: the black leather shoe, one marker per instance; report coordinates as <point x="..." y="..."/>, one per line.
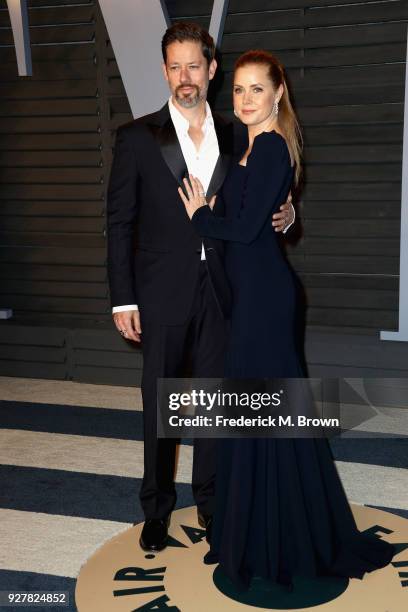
<point x="154" y="534"/>
<point x="205" y="521"/>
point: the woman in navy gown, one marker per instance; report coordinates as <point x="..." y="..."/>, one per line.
<point x="280" y="507"/>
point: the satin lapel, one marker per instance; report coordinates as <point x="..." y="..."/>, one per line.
<point x="167" y="140"/>
<point x="224" y="133"/>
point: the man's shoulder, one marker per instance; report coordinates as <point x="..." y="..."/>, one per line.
<point x="140" y="125"/>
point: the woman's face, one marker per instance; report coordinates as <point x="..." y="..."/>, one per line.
<point x="254" y="94"/>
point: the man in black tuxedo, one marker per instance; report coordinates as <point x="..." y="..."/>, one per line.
<point x="163" y="280"/>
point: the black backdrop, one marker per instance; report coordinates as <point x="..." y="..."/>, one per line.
<point x="346" y="67"/>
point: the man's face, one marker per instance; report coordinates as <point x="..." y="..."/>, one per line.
<point x="187" y="73"/>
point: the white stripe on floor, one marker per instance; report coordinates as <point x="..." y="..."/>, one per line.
<point x="70" y="393"/>
<point x="92" y="455"/>
<point x="383" y="419"/>
<point x="51" y="544"/>
<point x="376" y="485"/>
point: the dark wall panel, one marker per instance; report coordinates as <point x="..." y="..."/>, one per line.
<point x="52" y="166"/>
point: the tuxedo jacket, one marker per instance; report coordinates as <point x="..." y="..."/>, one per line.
<point x="153" y="249"/>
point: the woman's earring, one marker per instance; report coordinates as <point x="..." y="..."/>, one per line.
<point x="276" y="107"/>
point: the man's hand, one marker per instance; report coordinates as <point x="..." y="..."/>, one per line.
<point x="281" y="220"/>
<point x="128" y="324"/>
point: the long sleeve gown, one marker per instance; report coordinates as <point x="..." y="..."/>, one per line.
<point x="280" y="507"/>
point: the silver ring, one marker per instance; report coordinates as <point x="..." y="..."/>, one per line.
<point x="201" y="193"/>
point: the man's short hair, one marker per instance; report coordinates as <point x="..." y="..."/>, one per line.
<point x="183" y="30"/>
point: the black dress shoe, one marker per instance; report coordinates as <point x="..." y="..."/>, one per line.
<point x="154" y="534"/>
<point x="205" y="521"/>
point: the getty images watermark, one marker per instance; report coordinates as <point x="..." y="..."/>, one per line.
<point x="284" y="408"/>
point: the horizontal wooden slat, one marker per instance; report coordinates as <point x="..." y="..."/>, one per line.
<point x="316" y="38"/>
<point x="33" y="353"/>
<point x="59" y="289"/>
<point x="315" y="17"/>
<point x="85" y="272"/>
<point x="80" y="225"/>
<point x="109" y="340"/>
<point x="377" y="248"/>
<point x="351" y="210"/>
<point x="354" y="134"/>
<point x="185" y="8"/>
<point x="51" y="192"/>
<point x="241" y="6"/>
<point x="64" y="304"/>
<point x="341" y="317"/>
<point x="11" y="332"/>
<point x="54" y="15"/>
<point x="127" y="377"/>
<point x="263" y="20"/>
<point x="353" y="172"/>
<point x="352" y="190"/>
<point x="48" y="89"/>
<point x="369" y="283"/>
<point x="78" y="209"/>
<point x="48" y="71"/>
<point x="27" y="369"/>
<point x="59" y="53"/>
<point x="47" y="108"/>
<point x="49" y="142"/>
<point x="123" y="359"/>
<point x="352" y="75"/>
<point x="63" y="255"/>
<point x="352" y="298"/>
<point x="53" y="239"/>
<point x="360" y="229"/>
<point x="356" y="13"/>
<point x="51" y="35"/>
<point x="375" y="153"/>
<point x="367" y="350"/>
<point x="357" y="264"/>
<point x="72" y="159"/>
<point x="34" y="176"/>
<point x="348" y="114"/>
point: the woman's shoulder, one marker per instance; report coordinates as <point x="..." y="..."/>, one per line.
<point x="270" y="139"/>
<point x="271" y="142"/>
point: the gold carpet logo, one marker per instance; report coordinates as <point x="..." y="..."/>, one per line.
<point x="120" y="577"/>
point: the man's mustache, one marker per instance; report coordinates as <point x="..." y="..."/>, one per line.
<point x="180" y="87"/>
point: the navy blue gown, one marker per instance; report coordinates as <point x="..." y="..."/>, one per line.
<point x="280" y="508"/>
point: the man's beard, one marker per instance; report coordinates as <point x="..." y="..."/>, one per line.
<point x="190" y="100"/>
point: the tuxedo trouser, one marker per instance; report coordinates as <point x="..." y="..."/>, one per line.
<point x="194" y="348"/>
